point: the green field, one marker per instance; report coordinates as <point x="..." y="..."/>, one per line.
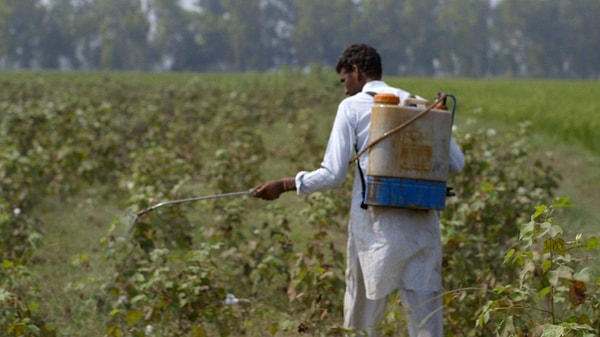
<point x="82" y="151"/>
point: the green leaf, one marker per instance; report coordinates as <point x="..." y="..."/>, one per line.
<point x="518" y="296"/>
<point x="529" y="267"/>
<point x="546" y="265"/>
<point x="509" y="255"/>
<point x="483" y="318"/>
<point x="113" y="331"/>
<point x="34" y="329"/>
<point x="550" y="330"/>
<point x="539" y="210"/>
<point x="562" y="202"/>
<point x="555" y="231"/>
<point x="545" y="227"/>
<point x="7" y="264"/>
<point x="33" y="306"/>
<point x="508" y="328"/>
<point x="5" y="296"/>
<point x="545" y="291"/>
<point x="133" y="317"/>
<point x="527" y="230"/>
<point x="18" y="329"/>
<point x="592" y="243"/>
<point x="487" y="187"/>
<point x="562" y="272"/>
<point x="556" y="246"/>
<point x="502" y="289"/>
<point x="584" y="275"/>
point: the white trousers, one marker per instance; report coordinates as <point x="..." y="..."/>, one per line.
<point x="423" y="309"/>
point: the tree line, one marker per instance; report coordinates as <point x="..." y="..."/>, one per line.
<point x="469" y="38"/>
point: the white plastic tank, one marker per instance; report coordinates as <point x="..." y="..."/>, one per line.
<point x="408" y="168"/>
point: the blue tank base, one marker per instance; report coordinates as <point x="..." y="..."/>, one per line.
<point x="405" y="193"/>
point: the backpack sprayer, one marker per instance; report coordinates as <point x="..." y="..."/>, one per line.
<point x="408" y="169"/>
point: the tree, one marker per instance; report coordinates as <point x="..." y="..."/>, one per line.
<point x="323" y="29"/>
<point x="382" y="26"/>
<point x="211" y="22"/>
<point x="121" y="35"/>
<point x="578" y="24"/>
<point x="20" y="32"/>
<point x="276" y="28"/>
<point x="420" y="18"/>
<point x="174" y="36"/>
<point x="510" y="34"/>
<point x="57" y="46"/>
<point x="464" y="41"/>
<point x="243" y="30"/>
<point x="542" y="38"/>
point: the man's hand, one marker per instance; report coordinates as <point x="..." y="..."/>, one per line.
<point x="271" y="190"/>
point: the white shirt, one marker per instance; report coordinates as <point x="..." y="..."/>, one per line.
<point x="397" y="248"/>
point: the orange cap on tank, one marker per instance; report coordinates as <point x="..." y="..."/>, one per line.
<point x="386" y="98"/>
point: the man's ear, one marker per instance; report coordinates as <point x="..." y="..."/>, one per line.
<point x="357" y="72"/>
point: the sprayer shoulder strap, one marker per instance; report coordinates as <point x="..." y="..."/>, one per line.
<point x="362" y="182"/>
<point x="360" y="171"/>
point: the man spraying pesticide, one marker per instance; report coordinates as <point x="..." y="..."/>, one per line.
<point x="393" y="233"/>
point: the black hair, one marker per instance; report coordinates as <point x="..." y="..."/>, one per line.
<point x="365" y="57"/>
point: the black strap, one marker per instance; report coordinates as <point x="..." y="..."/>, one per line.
<point x="360" y="171"/>
<point x="412" y="105"/>
<point x="362" y="182"/>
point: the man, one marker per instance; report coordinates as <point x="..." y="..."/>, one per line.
<point x="388" y="248"/>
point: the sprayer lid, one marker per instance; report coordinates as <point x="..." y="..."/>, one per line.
<point x="386" y="98"/>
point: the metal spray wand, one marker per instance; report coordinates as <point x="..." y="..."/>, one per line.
<point x="179" y="201"/>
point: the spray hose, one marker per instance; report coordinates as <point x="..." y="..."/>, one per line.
<point x="441" y="98"/>
<point x="179" y="201"/>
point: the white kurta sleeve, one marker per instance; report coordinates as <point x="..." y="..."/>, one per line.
<point x="334" y="166"/>
<point x="456" y="158"/>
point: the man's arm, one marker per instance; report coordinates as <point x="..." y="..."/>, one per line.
<point x="271" y="190"/>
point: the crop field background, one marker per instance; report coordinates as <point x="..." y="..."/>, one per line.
<point x="82" y="152"/>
